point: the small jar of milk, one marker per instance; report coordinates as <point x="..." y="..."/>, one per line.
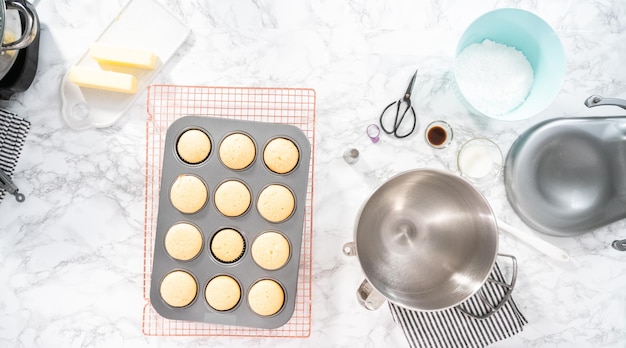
<point x="480" y="161"/>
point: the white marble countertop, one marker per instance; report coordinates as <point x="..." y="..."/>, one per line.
<point x="71" y="256"/>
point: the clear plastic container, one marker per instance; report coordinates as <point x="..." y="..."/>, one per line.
<point x="160" y="32"/>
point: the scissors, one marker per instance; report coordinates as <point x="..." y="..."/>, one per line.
<point x="399" y="130"/>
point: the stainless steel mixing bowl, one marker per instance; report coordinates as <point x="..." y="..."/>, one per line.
<point x="426" y="240"/>
<point x="566" y="176"/>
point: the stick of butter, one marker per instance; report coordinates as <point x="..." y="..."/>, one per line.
<point x="104" y="80"/>
<point x="123" y="56"/>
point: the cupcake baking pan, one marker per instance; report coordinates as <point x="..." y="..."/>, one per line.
<point x="205" y="266"/>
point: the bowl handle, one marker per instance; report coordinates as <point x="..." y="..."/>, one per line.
<point x="508" y="288"/>
<point x="619" y="245"/>
<point x="349" y="249"/>
<point x="596" y="100"/>
<point x="369" y="297"/>
<point x="31" y="27"/>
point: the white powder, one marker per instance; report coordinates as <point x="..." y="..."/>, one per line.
<point x="494" y="78"/>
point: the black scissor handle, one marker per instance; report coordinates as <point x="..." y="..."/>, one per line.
<point x="382" y="115"/>
<point x="398" y="120"/>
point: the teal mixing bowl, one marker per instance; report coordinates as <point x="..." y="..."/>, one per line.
<point x="539" y="43"/>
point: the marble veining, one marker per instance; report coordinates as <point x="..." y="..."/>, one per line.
<point x="72" y="254"/>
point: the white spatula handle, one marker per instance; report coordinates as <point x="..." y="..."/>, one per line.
<point x="536" y="242"/>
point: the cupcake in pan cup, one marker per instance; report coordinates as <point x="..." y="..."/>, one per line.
<point x="281" y="155"/>
<point x="188" y="194"/>
<point x="222" y="293"/>
<point x="271" y="250"/>
<point x="193" y="146"/>
<point x="178" y="288"/>
<point x="276" y="203"/>
<point x="183" y="241"/>
<point x="232" y="198"/>
<point x="227" y="245"/>
<point x="237" y="151"/>
<point x="266" y="297"/>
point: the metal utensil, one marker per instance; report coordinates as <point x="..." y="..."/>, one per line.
<point x="426" y="240"/>
<point x="619" y="245"/>
<point x="566" y="176"/>
<point x="7" y="184"/>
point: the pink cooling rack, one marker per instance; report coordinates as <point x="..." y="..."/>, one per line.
<point x="166" y="103"/>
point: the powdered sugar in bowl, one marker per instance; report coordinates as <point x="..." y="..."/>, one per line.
<point x="509" y="65"/>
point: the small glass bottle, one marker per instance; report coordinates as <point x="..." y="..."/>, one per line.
<point x="351" y="156"/>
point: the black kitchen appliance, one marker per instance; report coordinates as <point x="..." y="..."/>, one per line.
<point x="22" y="72"/>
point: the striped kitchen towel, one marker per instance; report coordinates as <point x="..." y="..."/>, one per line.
<point x="451" y="328"/>
<point x="13" y="131"/>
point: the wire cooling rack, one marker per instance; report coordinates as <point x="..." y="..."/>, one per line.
<point x="167" y="103"/>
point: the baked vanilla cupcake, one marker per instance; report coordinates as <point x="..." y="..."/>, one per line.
<point x="276" y="203"/>
<point x="232" y="198"/>
<point x="266" y="297"/>
<point x="281" y="155"/>
<point x="270" y="250"/>
<point x="183" y="241"/>
<point x="222" y="293"/>
<point x="178" y="289"/>
<point x="227" y="245"/>
<point x="193" y="146"/>
<point x="237" y="151"/>
<point x="188" y="193"/>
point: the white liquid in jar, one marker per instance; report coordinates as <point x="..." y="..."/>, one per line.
<point x="475" y="161"/>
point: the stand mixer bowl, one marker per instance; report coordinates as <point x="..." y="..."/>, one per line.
<point x="567" y="176"/>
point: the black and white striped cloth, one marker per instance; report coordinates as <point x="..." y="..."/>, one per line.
<point x="13" y="131"/>
<point x="451" y="328"/>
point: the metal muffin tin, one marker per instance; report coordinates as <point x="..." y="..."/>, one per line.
<point x="209" y="220"/>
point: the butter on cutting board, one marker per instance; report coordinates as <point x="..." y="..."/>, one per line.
<point x="123" y="56"/>
<point x="104" y="80"/>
